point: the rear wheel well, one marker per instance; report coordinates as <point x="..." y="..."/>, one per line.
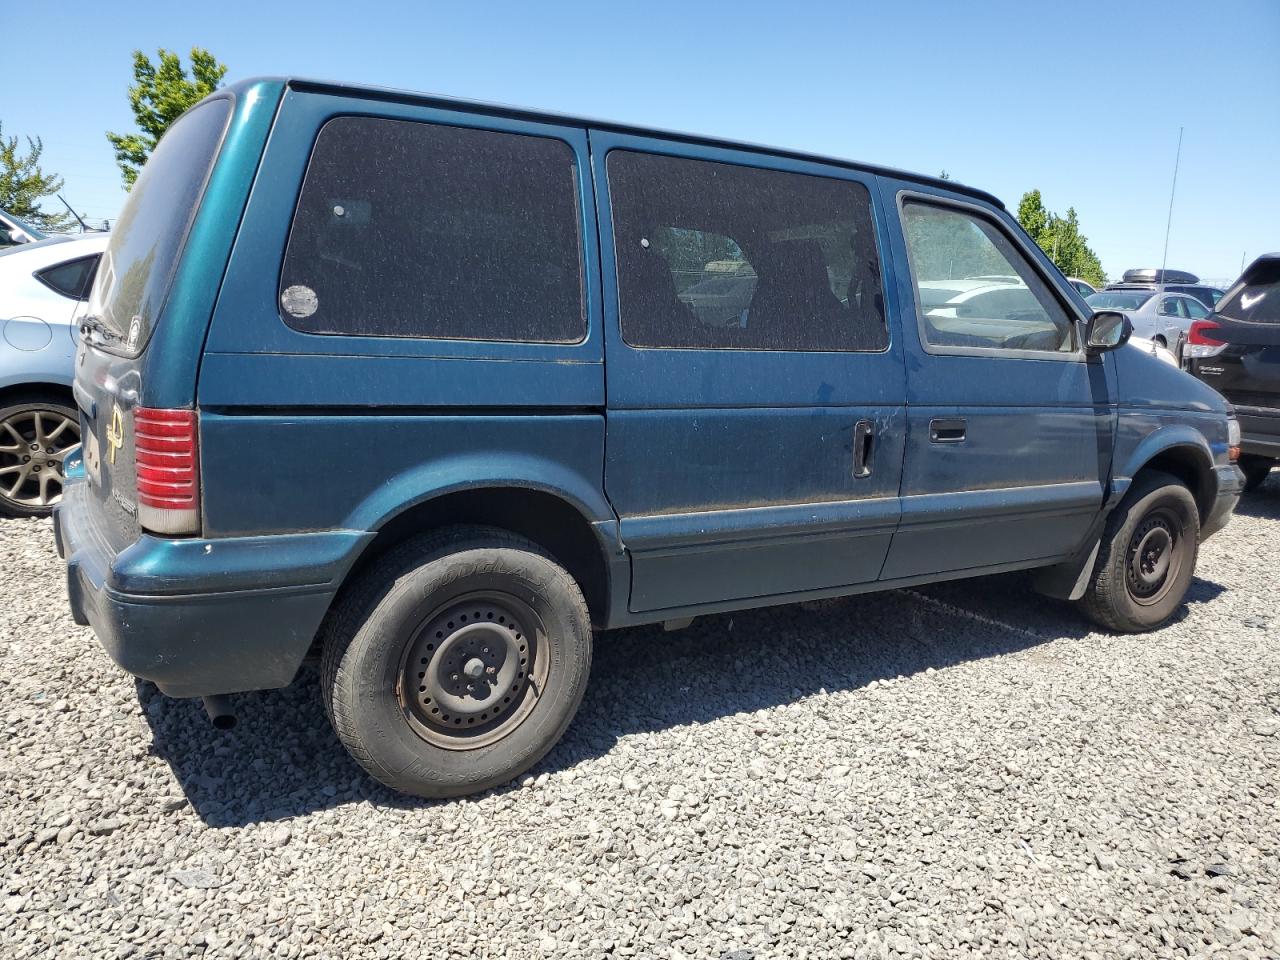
<point x="36" y="392"/>
<point x="550" y="522"/>
<point x="1188" y="465"/>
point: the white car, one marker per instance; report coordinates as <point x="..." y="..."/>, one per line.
<point x="44" y="289"/>
<point x="1155" y="315"/>
<point x="1153" y="348"/>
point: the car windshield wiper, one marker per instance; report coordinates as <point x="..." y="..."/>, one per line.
<point x="90" y="323"/>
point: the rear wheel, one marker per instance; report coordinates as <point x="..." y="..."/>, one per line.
<point x="35" y="436"/>
<point x="456" y="662"/>
<point x="1256" y="470"/>
<point x="1160" y="341"/>
<point x="1147" y="557"/>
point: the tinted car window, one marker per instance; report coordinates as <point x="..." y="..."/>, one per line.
<point x="975" y="289"/>
<point x="140" y="259"/>
<point x="718" y="256"/>
<point x="410" y="229"/>
<point x="1172" y="307"/>
<point x="1257" y="298"/>
<point x="71" y="279"/>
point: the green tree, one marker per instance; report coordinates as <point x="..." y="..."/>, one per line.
<point x="159" y="95"/>
<point x="1060" y="238"/>
<point x="23" y="183"/>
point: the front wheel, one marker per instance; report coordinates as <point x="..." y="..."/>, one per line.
<point x="1147" y="557"/>
<point x="456" y="662"/>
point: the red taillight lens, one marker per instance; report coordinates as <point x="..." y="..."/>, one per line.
<point x="1200" y="337"/>
<point x="165" y="451"/>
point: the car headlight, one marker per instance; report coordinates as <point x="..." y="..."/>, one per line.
<point x="1233" y="439"/>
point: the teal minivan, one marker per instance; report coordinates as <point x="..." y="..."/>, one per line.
<point x="445" y="391"/>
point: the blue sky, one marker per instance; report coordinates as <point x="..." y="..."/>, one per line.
<point x="1082" y="100"/>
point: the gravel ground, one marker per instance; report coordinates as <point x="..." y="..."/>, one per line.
<point x="957" y="770"/>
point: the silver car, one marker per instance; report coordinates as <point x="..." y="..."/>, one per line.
<point x="1159" y="317"/>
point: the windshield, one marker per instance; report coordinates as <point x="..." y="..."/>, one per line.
<point x="1118" y="301"/>
<point x="139" y="262"/>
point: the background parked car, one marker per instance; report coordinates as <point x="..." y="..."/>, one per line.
<point x="1237" y="352"/>
<point x="14" y="231"/>
<point x="43" y="289"/>
<point x="1169" y="281"/>
<point x="1083" y="287"/>
<point x="1149" y="346"/>
<point x="1159" y="317"/>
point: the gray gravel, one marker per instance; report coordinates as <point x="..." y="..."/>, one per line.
<point x="964" y="769"/>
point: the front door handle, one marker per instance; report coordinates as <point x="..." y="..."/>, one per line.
<point x="947" y="430"/>
<point x="863" y="437"/>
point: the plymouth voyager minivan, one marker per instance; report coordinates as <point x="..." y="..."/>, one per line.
<point x="441" y="388"/>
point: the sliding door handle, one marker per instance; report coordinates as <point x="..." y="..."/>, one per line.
<point x="863" y="437"/>
<point x="947" y="430"/>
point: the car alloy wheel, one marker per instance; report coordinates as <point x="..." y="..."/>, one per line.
<point x="33" y="445"/>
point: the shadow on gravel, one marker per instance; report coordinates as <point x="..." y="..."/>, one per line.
<point x="283" y="760"/>
<point x="1263" y="503"/>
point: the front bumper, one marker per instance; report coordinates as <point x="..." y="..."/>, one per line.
<point x="201" y="617"/>
<point x="1230" y="486"/>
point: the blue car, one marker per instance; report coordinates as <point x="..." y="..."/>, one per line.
<point x="447" y="391"/>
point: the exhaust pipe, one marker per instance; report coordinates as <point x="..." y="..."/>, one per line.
<point x="221" y="714"/>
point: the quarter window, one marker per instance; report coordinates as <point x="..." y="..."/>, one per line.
<point x="411" y="229"/>
<point x="975" y="289"/>
<point x="71" y="279"/>
<point x="719" y="256"/>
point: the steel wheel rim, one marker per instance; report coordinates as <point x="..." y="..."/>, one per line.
<point x="473" y="670"/>
<point x="33" y="446"/>
<point x="1153" y="559"/>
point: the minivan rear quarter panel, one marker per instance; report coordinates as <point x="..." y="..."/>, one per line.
<point x="322" y="431"/>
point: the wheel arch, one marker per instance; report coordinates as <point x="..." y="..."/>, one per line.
<point x="549" y="517"/>
<point x="1181" y="452"/>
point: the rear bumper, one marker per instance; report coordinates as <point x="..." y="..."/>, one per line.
<point x="1230" y="485"/>
<point x="1259" y="431"/>
<point x="201" y="617"/>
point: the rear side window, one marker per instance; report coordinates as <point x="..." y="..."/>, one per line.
<point x="975" y="289"/>
<point x="71" y="279"/>
<point x="411" y="229"/>
<point x="139" y="262"/>
<point x="718" y="256"/>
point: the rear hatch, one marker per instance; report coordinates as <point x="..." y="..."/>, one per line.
<point x="1237" y="350"/>
<point x="122" y="424"/>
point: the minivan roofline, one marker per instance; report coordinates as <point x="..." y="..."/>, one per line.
<point x="528" y="113"/>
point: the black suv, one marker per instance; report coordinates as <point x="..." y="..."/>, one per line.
<point x="1171" y="281"/>
<point x="1237" y="352"/>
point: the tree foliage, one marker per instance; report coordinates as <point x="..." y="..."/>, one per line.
<point x="23" y="183"/>
<point x="1061" y="239"/>
<point x="159" y="95"/>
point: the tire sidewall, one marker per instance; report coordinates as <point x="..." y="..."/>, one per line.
<point x="406" y="760"/>
<point x="1180" y="500"/>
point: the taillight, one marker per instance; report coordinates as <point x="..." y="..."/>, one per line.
<point x="1200" y="342"/>
<point x="168" y="470"/>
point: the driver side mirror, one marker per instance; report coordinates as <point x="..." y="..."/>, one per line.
<point x="1106" y="330"/>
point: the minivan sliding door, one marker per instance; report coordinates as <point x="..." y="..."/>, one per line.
<point x="754" y="393"/>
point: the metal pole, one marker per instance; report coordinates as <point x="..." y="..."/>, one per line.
<point x="1164" y="261"/>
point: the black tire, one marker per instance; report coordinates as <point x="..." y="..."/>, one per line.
<point x="1160" y="341"/>
<point x="1256" y="470"/>
<point x="20" y="492"/>
<point x="1124" y="595"/>
<point x="488" y="598"/>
